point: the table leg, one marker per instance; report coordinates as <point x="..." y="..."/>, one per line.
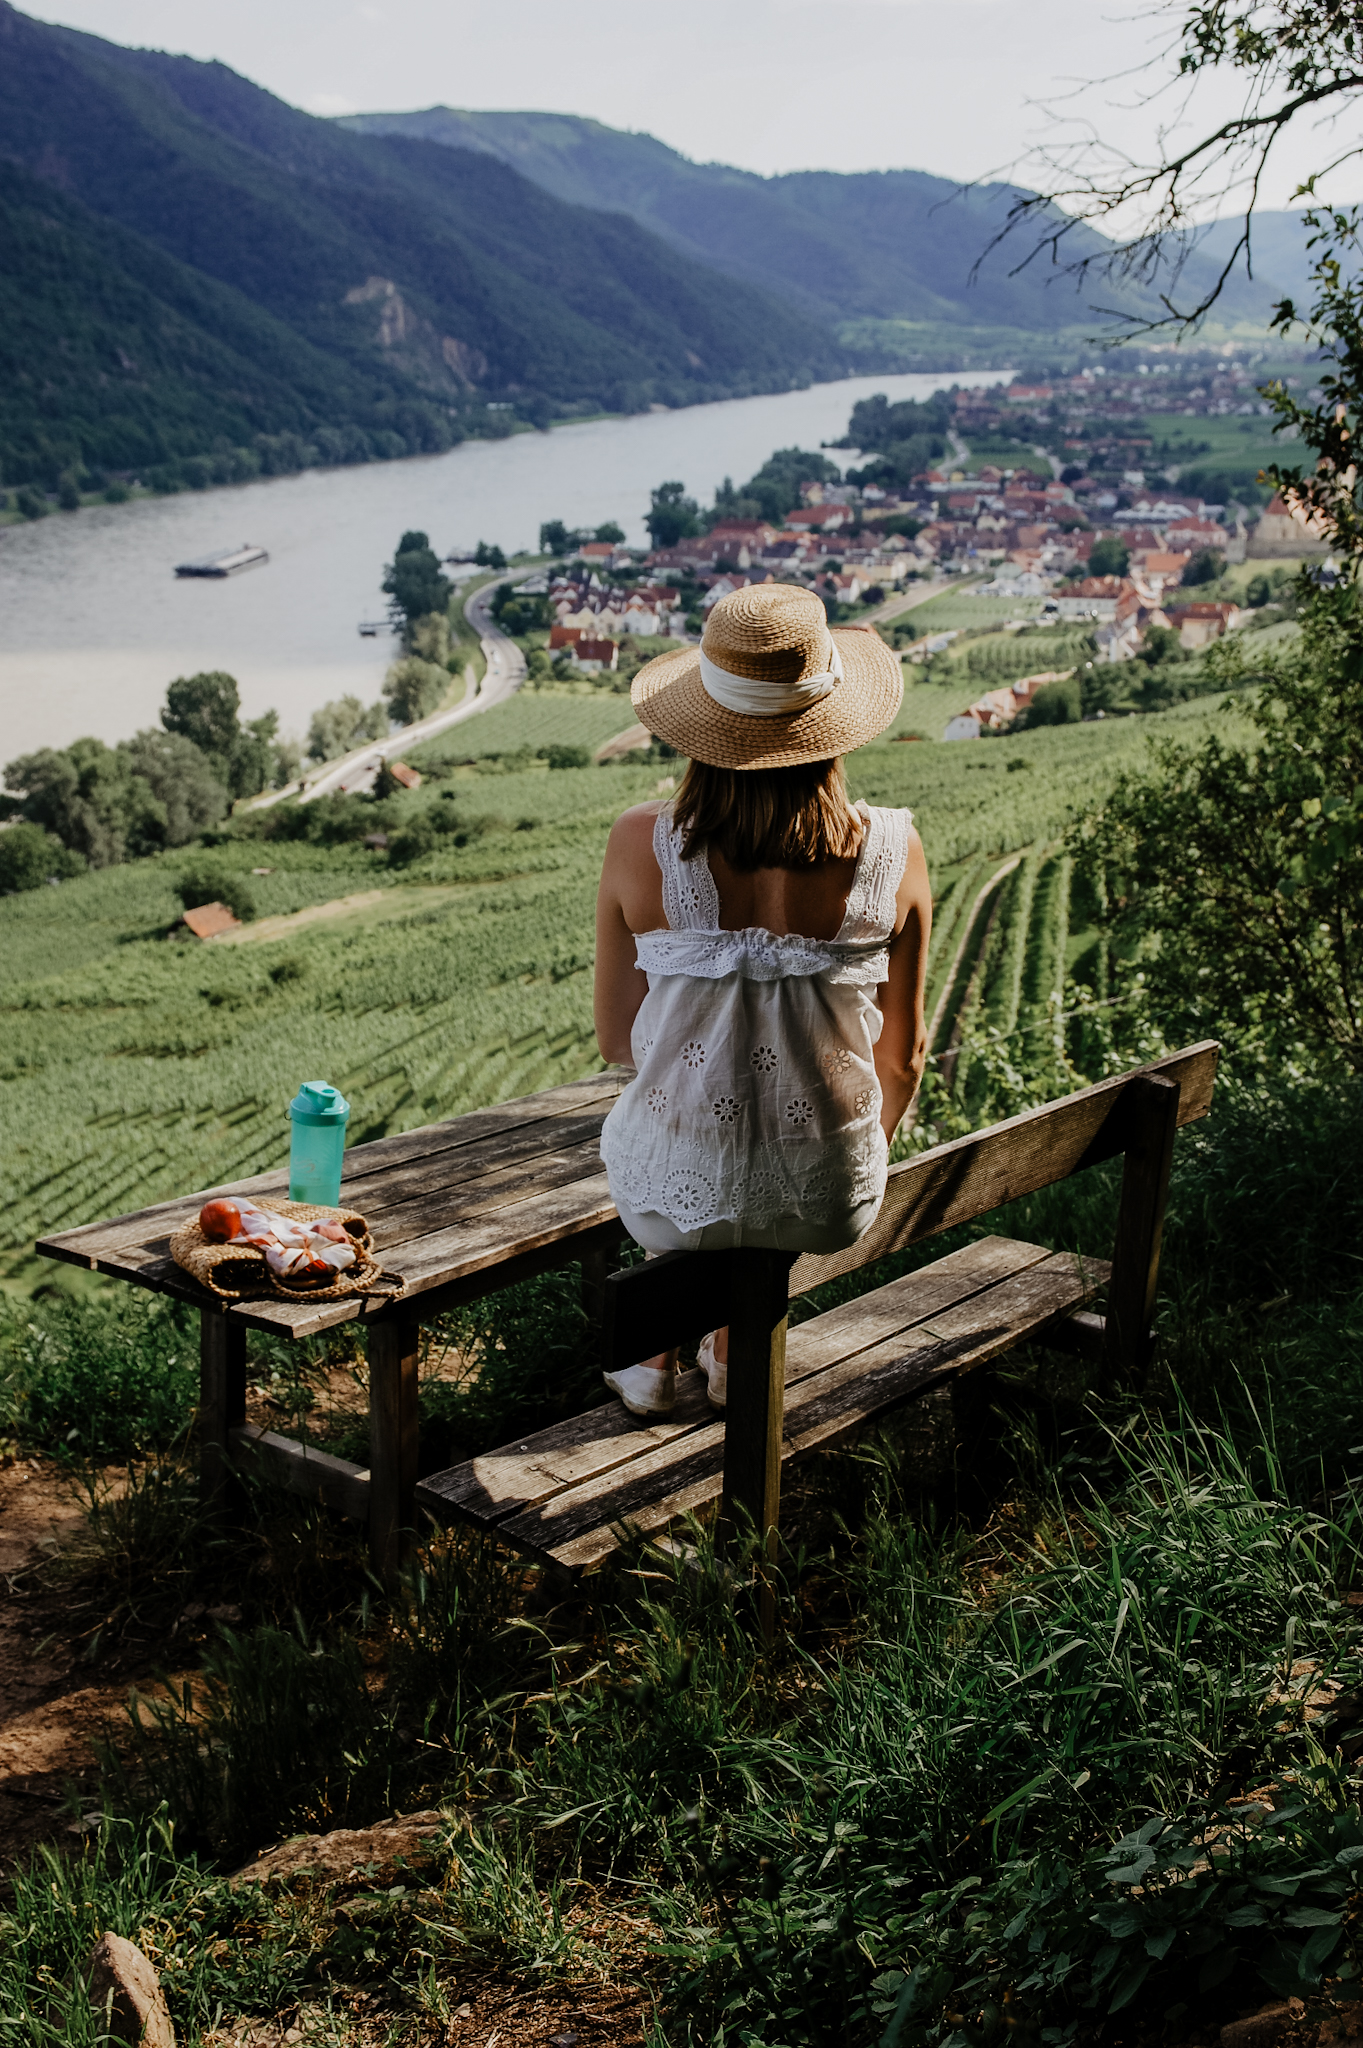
<point x="599" y="1260"/>
<point x="392" y="1443"/>
<point x="222" y="1407"/>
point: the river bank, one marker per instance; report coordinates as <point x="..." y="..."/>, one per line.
<point x="94" y="624"/>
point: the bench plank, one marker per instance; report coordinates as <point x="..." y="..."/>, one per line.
<point x="503" y="1482"/>
<point x="955" y="1183"/>
<point x="582" y="1526"/>
<point x="607" y="1454"/>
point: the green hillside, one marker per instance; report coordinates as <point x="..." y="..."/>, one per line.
<point x="399" y="268"/>
<point x="114" y="354"/>
<point x="136" y="1067"/>
<point x="876" y="245"/>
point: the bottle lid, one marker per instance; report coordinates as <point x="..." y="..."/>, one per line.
<point x="317" y="1102"/>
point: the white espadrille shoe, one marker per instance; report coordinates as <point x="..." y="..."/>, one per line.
<point x="644" y="1390"/>
<point x="716" y="1375"/>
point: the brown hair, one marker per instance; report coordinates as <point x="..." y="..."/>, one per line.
<point x="795" y="817"/>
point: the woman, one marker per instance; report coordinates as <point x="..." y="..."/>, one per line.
<point x="761" y="953"/>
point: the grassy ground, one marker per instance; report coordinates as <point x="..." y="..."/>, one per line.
<point x="1033" y="1656"/>
<point x="1059" y="1732"/>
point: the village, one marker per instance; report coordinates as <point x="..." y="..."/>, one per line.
<point x="1083" y="527"/>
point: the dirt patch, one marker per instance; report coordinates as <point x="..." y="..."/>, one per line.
<point x="52" y="1707"/>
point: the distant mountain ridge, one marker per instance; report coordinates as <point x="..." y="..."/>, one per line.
<point x="432" y="279"/>
<point x="842" y="246"/>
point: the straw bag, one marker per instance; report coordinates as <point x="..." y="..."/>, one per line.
<point x="233" y="1271"/>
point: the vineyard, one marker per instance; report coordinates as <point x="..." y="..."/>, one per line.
<point x="136" y="1066"/>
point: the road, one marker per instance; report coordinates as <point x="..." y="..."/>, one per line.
<point x="504" y="676"/>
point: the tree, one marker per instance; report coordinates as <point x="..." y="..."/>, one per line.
<point x="255" y="760"/>
<point x="489" y="557"/>
<point x="182" y="780"/>
<point x="671" y="516"/>
<point x="414" y="580"/>
<point x="1233" y="873"/>
<point x="1109" y="557"/>
<point x="29" y="857"/>
<point x="88" y="796"/>
<point x="1205" y="566"/>
<point x="212" y="884"/>
<point x="1054" y="704"/>
<point x="610" y="532"/>
<point x="203" y="709"/>
<point x="1287" y="61"/>
<point x="414" y="688"/>
<point x="1160" y="645"/>
<point x="555" y="539"/>
<point x="343" y="725"/>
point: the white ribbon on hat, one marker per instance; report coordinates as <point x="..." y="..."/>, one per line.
<point x="756" y="699"/>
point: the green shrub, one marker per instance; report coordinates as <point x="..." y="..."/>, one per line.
<point x="29" y="857"/>
<point x="206" y="884"/>
<point x="98" y="1379"/>
<point x="31" y="503"/>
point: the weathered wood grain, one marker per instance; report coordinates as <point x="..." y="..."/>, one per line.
<point x="393" y="1348"/>
<point x="1140" y="1228"/>
<point x="483" y="1128"/>
<point x="503" y="1482"/>
<point x="222" y="1408"/>
<point x="302" y="1468"/>
<point x="580" y="1526"/>
<point x="433" y="1262"/>
<point x="756" y="1392"/>
<point x="955" y="1183"/>
<point x="499" y="1483"/>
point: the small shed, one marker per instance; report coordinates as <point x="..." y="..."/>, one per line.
<point x="211" y="920"/>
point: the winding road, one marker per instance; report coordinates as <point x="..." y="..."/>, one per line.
<point x="505" y="674"/>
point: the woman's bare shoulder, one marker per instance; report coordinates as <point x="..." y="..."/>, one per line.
<point x="634" y="827"/>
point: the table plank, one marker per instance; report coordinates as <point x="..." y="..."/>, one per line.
<point x="449" y="1255"/>
<point x="85" y="1244"/>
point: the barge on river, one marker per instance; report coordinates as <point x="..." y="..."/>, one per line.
<point x="247" y="556"/>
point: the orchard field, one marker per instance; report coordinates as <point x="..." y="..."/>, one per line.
<point x="135" y="1066"/>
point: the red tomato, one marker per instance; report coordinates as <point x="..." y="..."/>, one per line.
<point x="220" y="1220"/>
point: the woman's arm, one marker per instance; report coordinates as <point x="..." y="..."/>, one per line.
<point x="902" y="1048"/>
<point x="624" y="904"/>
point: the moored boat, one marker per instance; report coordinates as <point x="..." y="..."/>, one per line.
<point x="247" y="556"/>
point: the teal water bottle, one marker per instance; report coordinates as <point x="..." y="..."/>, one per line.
<point x="318" y="1114"/>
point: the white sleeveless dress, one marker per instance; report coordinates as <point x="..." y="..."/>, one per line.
<point x="754" y="1116"/>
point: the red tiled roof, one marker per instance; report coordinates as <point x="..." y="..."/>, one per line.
<point x="210" y="919"/>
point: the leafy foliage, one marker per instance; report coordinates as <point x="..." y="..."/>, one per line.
<point x="29" y="856"/>
<point x="671" y="515"/>
<point x="415" y="581"/>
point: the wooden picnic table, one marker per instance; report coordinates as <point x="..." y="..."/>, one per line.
<point x="457" y="1209"/>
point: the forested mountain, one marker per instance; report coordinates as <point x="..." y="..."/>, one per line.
<point x="385" y="285"/>
<point x="888" y="245"/>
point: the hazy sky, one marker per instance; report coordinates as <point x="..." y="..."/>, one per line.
<point x="950" y="86"/>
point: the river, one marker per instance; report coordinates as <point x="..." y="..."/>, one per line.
<point x="94" y="624"/>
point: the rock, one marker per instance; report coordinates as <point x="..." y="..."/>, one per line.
<point x="371" y="1855"/>
<point x="1262" y="2028"/>
<point x="123" y="1983"/>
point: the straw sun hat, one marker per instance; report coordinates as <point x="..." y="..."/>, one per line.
<point x="770" y="684"/>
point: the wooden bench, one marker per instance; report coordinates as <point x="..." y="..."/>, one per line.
<point x="568" y="1495"/>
